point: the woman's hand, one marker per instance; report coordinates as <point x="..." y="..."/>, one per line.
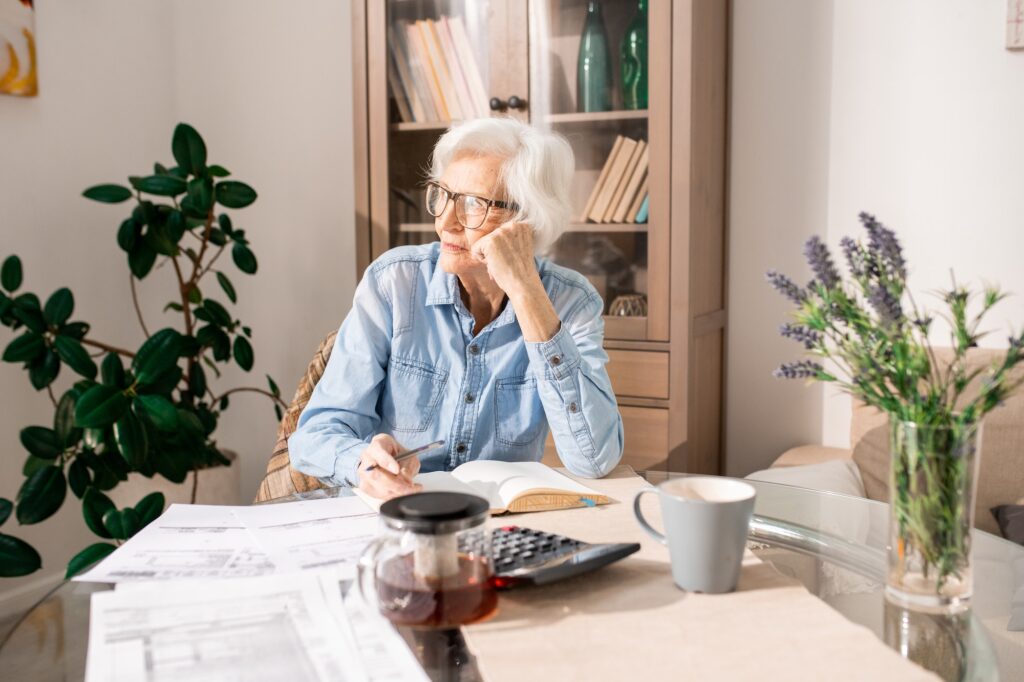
<point x="390" y="478"/>
<point x="508" y="254"/>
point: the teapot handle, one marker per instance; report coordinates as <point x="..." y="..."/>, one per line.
<point x="365" y="584"/>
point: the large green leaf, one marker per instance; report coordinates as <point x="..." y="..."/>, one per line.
<point x="100" y="406"/>
<point x="243" y="353"/>
<point x="41" y="495"/>
<point x="41" y="442"/>
<point x="34" y="464"/>
<point x="75" y="330"/>
<point x="122" y="524"/>
<point x="44" y="370"/>
<point x="105" y="469"/>
<point x="162" y="185"/>
<point x="87" y="557"/>
<point x="6" y="506"/>
<point x="157" y="410"/>
<point x="74" y="354"/>
<point x="234" y="194"/>
<point x="157" y="355"/>
<point x="163" y="383"/>
<point x="197" y="380"/>
<point x="200" y="191"/>
<point x="94" y="506"/>
<point x="64" y="420"/>
<point x="189" y="149"/>
<point x="59" y="307"/>
<point x="176" y="226"/>
<point x="216" y="313"/>
<point x="132" y="441"/>
<point x="78" y="477"/>
<point x="17" y="557"/>
<point x="112" y="371"/>
<point x="10" y="273"/>
<point x="150" y="507"/>
<point x="25" y="348"/>
<point x="228" y="288"/>
<point x="218" y="171"/>
<point x="27" y="309"/>
<point x="128" y="234"/>
<point x="108" y="194"/>
<point x="158" y="239"/>
<point x="173" y="465"/>
<point x="244" y="258"/>
<point x="141" y="259"/>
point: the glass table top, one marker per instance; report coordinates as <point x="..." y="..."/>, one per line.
<point x="833" y="544"/>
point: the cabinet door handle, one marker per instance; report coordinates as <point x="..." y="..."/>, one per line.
<point x="514" y="102"/>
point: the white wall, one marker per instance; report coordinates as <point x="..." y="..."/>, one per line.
<point x="781" y="57"/>
<point x="928" y="134"/>
<point x="269" y="87"/>
<point x="922" y="108"/>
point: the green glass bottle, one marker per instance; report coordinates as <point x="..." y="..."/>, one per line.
<point x="593" y="68"/>
<point x="634" y="60"/>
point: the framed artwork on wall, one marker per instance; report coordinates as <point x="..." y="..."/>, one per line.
<point x="18" y="48"/>
<point x="1015" y="25"/>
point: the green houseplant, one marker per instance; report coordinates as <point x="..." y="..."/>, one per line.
<point x="877" y="343"/>
<point x="149" y="410"/>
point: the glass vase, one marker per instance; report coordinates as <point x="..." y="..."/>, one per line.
<point x="593" y="67"/>
<point x="634" y="60"/>
<point x="932" y="483"/>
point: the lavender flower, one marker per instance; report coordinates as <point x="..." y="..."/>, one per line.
<point x="804" y="369"/>
<point x="787" y="287"/>
<point x="855" y="256"/>
<point x="821" y="263"/>
<point x="800" y="334"/>
<point x="886" y="305"/>
<point x="882" y="244"/>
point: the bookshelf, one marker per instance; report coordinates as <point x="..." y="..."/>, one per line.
<point x="667" y="365"/>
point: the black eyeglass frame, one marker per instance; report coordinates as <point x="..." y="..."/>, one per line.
<point x="454" y="196"/>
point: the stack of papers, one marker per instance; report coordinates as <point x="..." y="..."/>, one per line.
<point x="281" y="616"/>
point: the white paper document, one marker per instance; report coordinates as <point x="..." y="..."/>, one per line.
<point x="210" y="541"/>
<point x="187" y="541"/>
<point x="312" y="534"/>
<point x="385" y="655"/>
<point x="255" y="629"/>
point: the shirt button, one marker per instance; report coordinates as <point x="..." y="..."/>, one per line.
<point x="573" y="408"/>
<point x="469" y="397"/>
<point x="556" y="360"/>
<point x="460" y="448"/>
<point x="474" y="349"/>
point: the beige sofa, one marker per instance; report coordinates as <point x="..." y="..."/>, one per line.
<point x="1001" y="469"/>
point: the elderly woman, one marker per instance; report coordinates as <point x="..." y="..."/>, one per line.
<point x="471" y="339"/>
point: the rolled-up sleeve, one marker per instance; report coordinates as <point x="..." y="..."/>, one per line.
<point x="341" y="416"/>
<point x="577" y="394"/>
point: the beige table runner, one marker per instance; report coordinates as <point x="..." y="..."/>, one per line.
<point x="628" y="621"/>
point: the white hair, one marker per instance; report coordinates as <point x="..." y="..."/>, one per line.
<point x="535" y="175"/>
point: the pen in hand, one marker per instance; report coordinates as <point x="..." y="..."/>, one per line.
<point x="415" y="452"/>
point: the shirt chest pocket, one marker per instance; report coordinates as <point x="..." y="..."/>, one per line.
<point x="518" y="412"/>
<point x="412" y="394"/>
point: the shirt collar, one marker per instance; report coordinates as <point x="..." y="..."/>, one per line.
<point x="443" y="289"/>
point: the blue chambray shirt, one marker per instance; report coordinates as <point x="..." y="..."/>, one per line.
<point x="405" y="362"/>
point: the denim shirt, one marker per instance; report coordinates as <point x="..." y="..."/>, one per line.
<point x="406" y="362"/>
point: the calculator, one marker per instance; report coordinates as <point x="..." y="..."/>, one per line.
<point x="523" y="556"/>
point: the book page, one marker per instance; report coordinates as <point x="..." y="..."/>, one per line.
<point x="509" y="480"/>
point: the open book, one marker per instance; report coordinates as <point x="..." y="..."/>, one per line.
<point x="509" y="486"/>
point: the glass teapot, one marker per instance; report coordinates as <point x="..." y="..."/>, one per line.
<point x="431" y="566"/>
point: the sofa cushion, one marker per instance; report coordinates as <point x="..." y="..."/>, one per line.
<point x="836" y="476"/>
<point x="810" y="454"/>
<point x="1001" y="468"/>
<point x="1010" y="518"/>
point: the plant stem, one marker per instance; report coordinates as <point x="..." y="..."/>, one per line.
<point x="49" y="389"/>
<point x="195" y="484"/>
<point x="135" y="301"/>
<point x="207" y="229"/>
<point x="252" y="390"/>
<point x="212" y="261"/>
<point x="185" y="309"/>
<point x="109" y="349"/>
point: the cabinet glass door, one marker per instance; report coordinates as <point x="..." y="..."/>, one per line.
<point x="590" y="81"/>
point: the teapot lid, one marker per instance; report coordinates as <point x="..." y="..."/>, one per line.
<point x="435" y="512"/>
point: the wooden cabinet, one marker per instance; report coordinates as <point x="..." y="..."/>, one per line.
<point x="666" y="366"/>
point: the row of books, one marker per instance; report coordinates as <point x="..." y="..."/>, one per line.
<point x="433" y="73"/>
<point x="620" y="195"/>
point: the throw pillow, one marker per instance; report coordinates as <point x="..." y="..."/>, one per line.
<point x="1010" y="518"/>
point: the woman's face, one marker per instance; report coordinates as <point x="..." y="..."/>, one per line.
<point x="468" y="174"/>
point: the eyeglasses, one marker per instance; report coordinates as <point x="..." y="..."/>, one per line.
<point x="470" y="210"/>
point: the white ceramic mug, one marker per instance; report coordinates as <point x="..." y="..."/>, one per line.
<point x="706" y="522"/>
